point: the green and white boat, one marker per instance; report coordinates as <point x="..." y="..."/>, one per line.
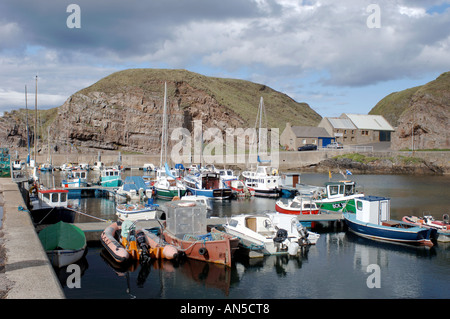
<point x="339" y="197"/>
<point x="111" y="177"/>
<point x="167" y="186"/>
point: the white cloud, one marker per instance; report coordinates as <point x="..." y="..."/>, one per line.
<point x="412" y="12"/>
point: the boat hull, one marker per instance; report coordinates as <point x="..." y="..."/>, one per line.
<point x="219" y="193"/>
<point x="271" y="193"/>
<point x="219" y="251"/>
<point x="409" y="235"/>
<point x="169" y="193"/>
<point x="61" y="258"/>
<point x="346" y="205"/>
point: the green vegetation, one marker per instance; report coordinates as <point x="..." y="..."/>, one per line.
<point x="240" y="96"/>
<point x="395" y="104"/>
<point x="360" y="158"/>
<point x="356" y="157"/>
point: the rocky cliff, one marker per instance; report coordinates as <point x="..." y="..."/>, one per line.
<point x="421" y="115"/>
<point x="124" y="111"/>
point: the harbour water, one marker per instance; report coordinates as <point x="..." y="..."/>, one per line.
<point x="341" y="265"/>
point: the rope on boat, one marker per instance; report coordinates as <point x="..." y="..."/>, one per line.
<point x="87" y="215"/>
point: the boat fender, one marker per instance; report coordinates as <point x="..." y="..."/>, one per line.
<point x="203" y="251"/>
<point x="281" y="235"/>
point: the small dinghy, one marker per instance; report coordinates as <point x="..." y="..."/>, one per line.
<point x="428" y="221"/>
<point x="125" y="242"/>
<point x="64" y="243"/>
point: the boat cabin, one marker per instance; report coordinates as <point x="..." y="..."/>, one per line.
<point x="79" y="174"/>
<point x="372" y="209"/>
<point x="340" y="189"/>
<point x="110" y="173"/>
<point x="54" y="197"/>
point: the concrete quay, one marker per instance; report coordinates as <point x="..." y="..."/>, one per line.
<point x="28" y="273"/>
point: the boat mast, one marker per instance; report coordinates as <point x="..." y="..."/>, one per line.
<point x="35" y="125"/>
<point x="164" y="128"/>
<point x="28" y="133"/>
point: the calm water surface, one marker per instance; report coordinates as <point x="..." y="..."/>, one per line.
<point x="334" y="268"/>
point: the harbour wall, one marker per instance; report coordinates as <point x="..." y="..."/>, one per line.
<point x="287" y="160"/>
<point x="28" y="273"/>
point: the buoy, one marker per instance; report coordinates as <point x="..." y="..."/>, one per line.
<point x="293" y="249"/>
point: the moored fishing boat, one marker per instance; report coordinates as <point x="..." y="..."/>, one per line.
<point x="264" y="181"/>
<point x="270" y="233"/>
<point x="64" y="243"/>
<point x="372" y="220"/>
<point x="49" y="206"/>
<point x="298" y="206"/>
<point x="110" y="177"/>
<point x="186" y="229"/>
<point x="167" y="186"/>
<point x="339" y="197"/>
<point x="442" y="226"/>
<point x="125" y="242"/>
<point x="207" y="183"/>
<point x="75" y="178"/>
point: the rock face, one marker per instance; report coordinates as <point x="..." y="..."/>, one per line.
<point x="425" y="125"/>
<point x="124" y="111"/>
<point x="421" y="115"/>
<point x="132" y="121"/>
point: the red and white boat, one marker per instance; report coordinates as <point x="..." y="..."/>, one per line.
<point x="298" y="206"/>
<point x="238" y="187"/>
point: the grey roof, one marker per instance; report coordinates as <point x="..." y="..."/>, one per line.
<point x="370" y="122"/>
<point x="341" y="123"/>
<point x="310" y="131"/>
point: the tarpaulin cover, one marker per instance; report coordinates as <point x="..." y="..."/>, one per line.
<point x="62" y="236"/>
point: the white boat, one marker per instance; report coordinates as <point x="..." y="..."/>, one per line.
<point x="136" y="212"/>
<point x="264" y="181"/>
<point x="270" y="233"/>
<point x="200" y="200"/>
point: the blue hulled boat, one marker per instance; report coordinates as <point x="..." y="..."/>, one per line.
<point x="207" y="184"/>
<point x="372" y="220"/>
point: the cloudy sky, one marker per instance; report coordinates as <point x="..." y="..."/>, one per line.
<point x="336" y="55"/>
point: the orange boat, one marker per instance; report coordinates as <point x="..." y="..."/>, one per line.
<point x="124" y="242"/>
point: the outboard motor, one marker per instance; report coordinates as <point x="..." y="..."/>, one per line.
<point x="303" y="232"/>
<point x="145" y="254"/>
